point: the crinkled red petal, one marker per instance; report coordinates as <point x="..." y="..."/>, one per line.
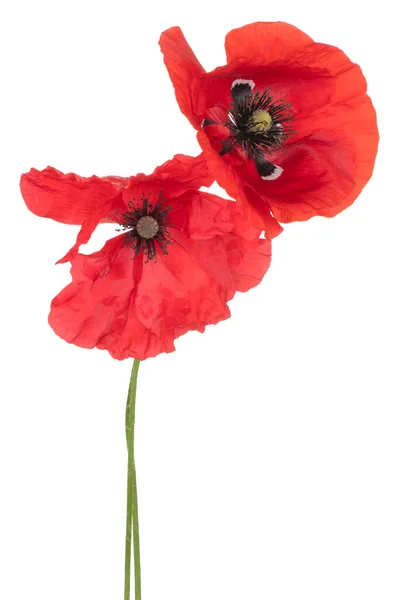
<point x="183" y="67"/>
<point x="67" y="198"/>
<point x="266" y="42"/>
<point x="71" y="199"/>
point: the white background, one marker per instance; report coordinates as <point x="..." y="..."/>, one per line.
<point x="268" y="448"/>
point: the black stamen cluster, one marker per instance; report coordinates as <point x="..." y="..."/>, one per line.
<point x="149" y="246"/>
<point x="251" y="138"/>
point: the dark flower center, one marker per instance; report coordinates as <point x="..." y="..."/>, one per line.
<point x="257" y="124"/>
<point x="145" y="225"/>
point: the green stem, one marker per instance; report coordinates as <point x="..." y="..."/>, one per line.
<point x="132" y="517"/>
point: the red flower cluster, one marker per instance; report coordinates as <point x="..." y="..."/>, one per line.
<point x="182" y="255"/>
<point x="286" y="126"/>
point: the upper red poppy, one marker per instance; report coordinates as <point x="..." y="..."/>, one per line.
<point x="286" y="126"/>
<point x="182" y="256"/>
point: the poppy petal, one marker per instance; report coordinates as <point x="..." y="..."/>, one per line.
<point x="318" y="174"/>
<point x="358" y="119"/>
<point x="183" y="67"/>
<point x="83" y="237"/>
<point x="93" y="306"/>
<point x="256" y="212"/>
<point x="172" y="179"/>
<point x="132" y="309"/>
<point x="224" y="244"/>
<point x="67" y="198"/>
<point x="192" y="172"/>
<point x="348" y="76"/>
<point x="269" y="41"/>
<point x="71" y="199"/>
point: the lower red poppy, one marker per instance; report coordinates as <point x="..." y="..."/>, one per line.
<point x="181" y="256"/>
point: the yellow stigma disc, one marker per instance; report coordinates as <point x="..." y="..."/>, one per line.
<point x="260" y="122"/>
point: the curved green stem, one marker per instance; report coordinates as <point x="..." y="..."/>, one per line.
<point x="132" y="517"/>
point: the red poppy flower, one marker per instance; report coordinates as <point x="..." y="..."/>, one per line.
<point x="286" y="126"/>
<point x="182" y="255"/>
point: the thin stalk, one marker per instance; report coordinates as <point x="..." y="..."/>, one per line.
<point x="132" y="517"/>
